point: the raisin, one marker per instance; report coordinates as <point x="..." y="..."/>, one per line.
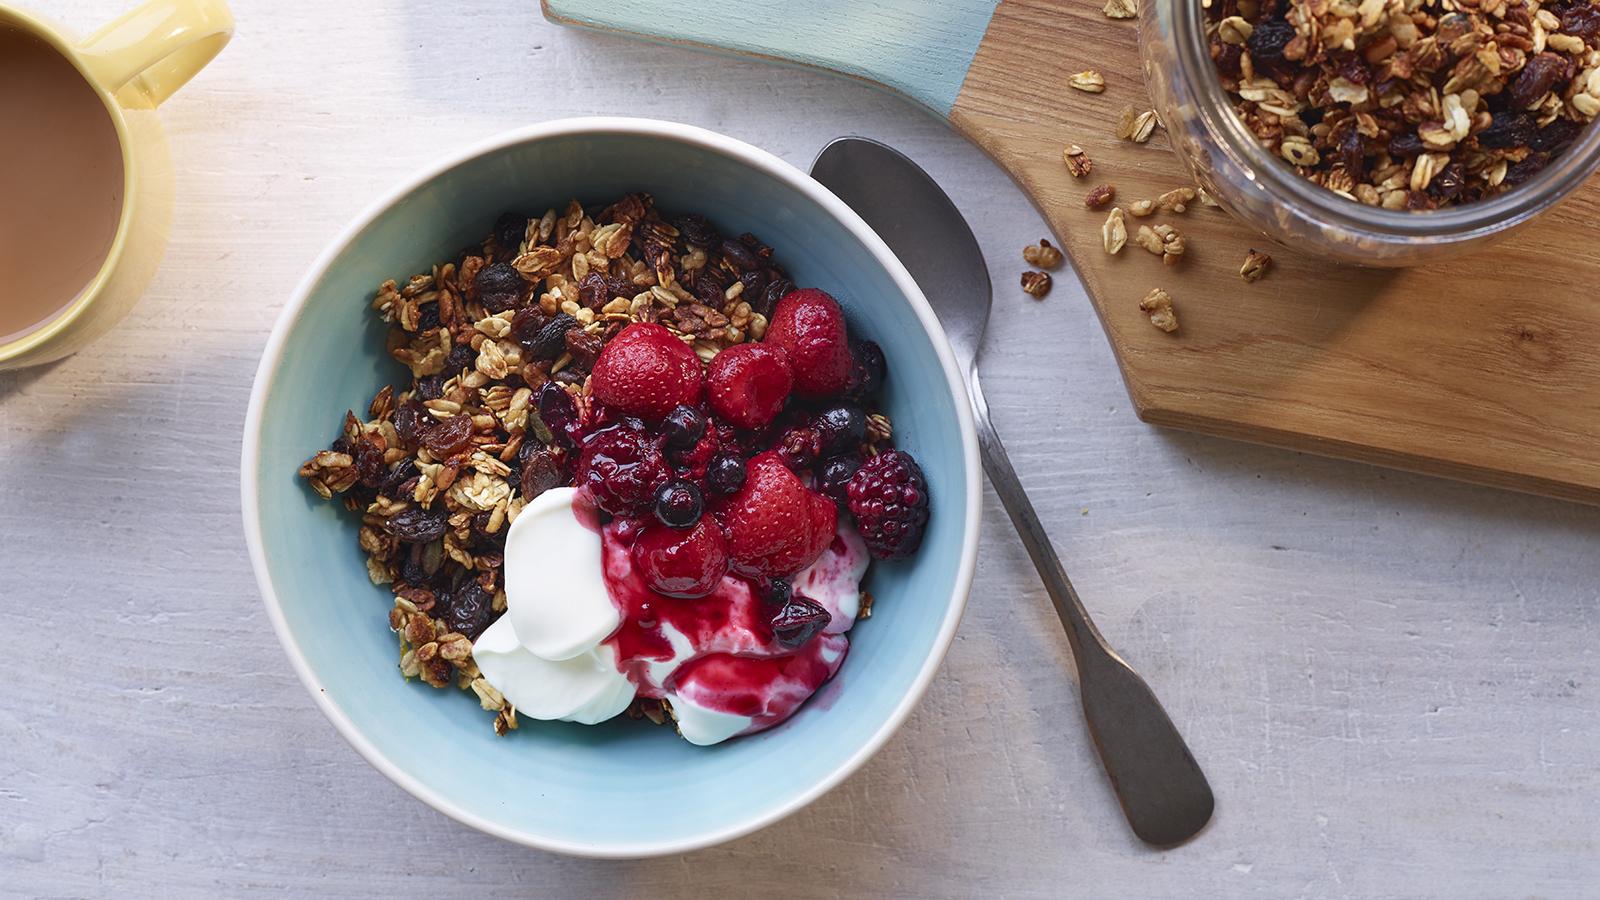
<point x="428" y="317"/>
<point x="461" y="357"/>
<point x="415" y="525"/>
<point x="621" y="286"/>
<point x="470" y="610"/>
<point x="1530" y="166"/>
<point x="1353" y="69"/>
<point x="1507" y="130"/>
<point x="584" y="348"/>
<point x="762" y="251"/>
<point x="559" y="413"/>
<point x="541" y="471"/>
<point x="430" y="387"/>
<point x="551" y="341"/>
<point x="1269" y="38"/>
<point x="509" y="230"/>
<point x="394" y="485"/>
<point x="1448" y="183"/>
<point x="1555" y="137"/>
<point x="1405" y="144"/>
<point x="370" y="468"/>
<point x="739" y="256"/>
<point x="526" y="324"/>
<point x="1350" y="150"/>
<point x="754" y="281"/>
<point x="412" y="570"/>
<point x="410" y="418"/>
<point x="593" y="291"/>
<point x="1226" y="56"/>
<point x="499" y="287"/>
<point x="1536" y="79"/>
<point x="697" y="230"/>
<point x="568" y="376"/>
<point x="776" y="290"/>
<point x="1581" y="19"/>
<point x="448" y="437"/>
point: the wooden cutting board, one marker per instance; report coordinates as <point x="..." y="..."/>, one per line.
<point x="1484" y="369"/>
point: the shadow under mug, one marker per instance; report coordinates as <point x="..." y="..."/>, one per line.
<point x="134" y="64"/>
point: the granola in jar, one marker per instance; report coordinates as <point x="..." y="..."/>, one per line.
<point x="1411" y="104"/>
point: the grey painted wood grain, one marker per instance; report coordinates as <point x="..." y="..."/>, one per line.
<point x="1391" y="680"/>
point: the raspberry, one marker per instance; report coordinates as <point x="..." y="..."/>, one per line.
<point x="800" y="445"/>
<point x="809" y="326"/>
<point x="889" y="499"/>
<point x="694" y="462"/>
<point x="748" y="383"/>
<point x="645" y="371"/>
<point x="622" y="467"/>
<point x="775" y="525"/>
<point x="684" y="564"/>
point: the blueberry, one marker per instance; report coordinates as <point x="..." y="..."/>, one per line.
<point x="843" y="427"/>
<point x="683" y="427"/>
<point x="867" y="370"/>
<point x="678" y="504"/>
<point x="833" y="479"/>
<point x="800" y="620"/>
<point x="726" y="474"/>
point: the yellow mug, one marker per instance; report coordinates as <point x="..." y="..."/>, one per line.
<point x="133" y="63"/>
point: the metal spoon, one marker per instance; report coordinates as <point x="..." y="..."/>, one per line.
<point x="1160" y="786"/>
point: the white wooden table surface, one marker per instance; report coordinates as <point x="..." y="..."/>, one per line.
<point x="1393" y="681"/>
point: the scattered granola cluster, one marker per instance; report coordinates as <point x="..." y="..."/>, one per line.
<point x="500" y="344"/>
<point x="1411" y="104"/>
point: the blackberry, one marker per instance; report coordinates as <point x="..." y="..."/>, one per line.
<point x="889" y="498"/>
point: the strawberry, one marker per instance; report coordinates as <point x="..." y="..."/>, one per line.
<point x="645" y="371"/>
<point x="775" y="525"/>
<point x="809" y="326"/>
<point x="747" y="384"/>
<point x="683" y="564"/>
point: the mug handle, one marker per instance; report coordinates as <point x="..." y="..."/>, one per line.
<point x="162" y="44"/>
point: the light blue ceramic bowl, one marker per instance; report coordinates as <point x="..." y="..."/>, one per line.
<point x="620" y="789"/>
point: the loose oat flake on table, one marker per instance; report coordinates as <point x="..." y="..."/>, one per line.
<point x="1411" y="104"/>
<point x="605" y="383"/>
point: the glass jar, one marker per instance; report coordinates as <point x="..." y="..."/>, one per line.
<point x="1267" y="193"/>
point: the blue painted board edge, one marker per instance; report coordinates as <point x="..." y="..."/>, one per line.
<point x="919" y="48"/>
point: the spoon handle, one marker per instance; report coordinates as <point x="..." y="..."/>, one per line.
<point x="1161" y="788"/>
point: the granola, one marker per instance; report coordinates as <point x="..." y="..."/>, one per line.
<point x="1043" y="254"/>
<point x="437" y="471"/>
<point x="1411" y="104"/>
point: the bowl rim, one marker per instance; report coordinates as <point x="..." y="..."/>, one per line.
<point x="768" y="165"/>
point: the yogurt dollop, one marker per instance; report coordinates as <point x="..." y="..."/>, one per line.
<point x="583" y="634"/>
<point x="546" y="654"/>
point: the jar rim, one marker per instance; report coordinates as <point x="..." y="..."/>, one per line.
<point x="1564" y="175"/>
